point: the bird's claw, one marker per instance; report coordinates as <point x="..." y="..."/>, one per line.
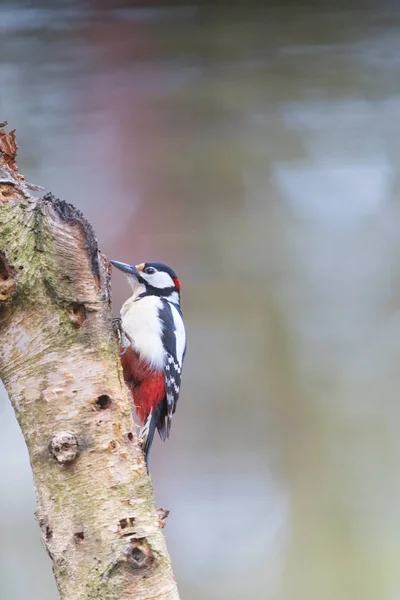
<point x="116" y="321"/>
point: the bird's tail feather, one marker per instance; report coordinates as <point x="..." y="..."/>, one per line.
<point x="156" y="419"/>
<point x="146" y="434"/>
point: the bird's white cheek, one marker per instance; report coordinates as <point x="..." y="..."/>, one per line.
<point x="159" y="280"/>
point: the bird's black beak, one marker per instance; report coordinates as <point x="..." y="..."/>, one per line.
<point x="129" y="269"/>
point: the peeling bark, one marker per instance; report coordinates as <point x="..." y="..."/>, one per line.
<point x="59" y="363"/>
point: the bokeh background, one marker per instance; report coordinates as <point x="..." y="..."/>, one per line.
<point x="256" y="149"/>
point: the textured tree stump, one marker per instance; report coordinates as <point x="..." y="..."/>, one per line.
<point x="59" y="363"/>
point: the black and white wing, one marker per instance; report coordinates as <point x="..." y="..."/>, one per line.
<point x="174" y="341"/>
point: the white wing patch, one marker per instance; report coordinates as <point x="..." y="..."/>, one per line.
<point x="180" y="334"/>
<point x="172" y="376"/>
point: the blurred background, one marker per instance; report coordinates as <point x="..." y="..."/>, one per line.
<point x="256" y="149"/>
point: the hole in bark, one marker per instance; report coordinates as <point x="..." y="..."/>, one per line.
<point x="130" y="436"/>
<point x="7" y="283"/>
<point x="7" y="190"/>
<point x="127" y="522"/>
<point x="103" y="402"/>
<point x="77" y="313"/>
<point x="138" y="554"/>
<point x="49" y="533"/>
<point x="79" y="536"/>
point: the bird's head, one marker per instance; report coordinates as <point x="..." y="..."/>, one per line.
<point x="152" y="279"/>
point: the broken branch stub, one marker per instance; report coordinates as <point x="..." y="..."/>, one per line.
<point x="59" y="364"/>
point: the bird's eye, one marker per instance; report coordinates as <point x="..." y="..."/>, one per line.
<point x="149" y="270"/>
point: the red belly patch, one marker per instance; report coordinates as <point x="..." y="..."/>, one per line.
<point x="147" y="385"/>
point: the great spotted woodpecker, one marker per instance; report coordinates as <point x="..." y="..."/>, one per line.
<point x="153" y="346"/>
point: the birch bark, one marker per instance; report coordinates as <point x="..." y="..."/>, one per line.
<point x="59" y="363"/>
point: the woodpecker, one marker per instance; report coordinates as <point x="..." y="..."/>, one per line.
<point x="153" y="346"/>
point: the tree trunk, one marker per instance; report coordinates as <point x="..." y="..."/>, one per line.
<point x="59" y="363"/>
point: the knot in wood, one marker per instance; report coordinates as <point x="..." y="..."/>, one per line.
<point x="64" y="447"/>
<point x="77" y="313"/>
<point x="138" y="554"/>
